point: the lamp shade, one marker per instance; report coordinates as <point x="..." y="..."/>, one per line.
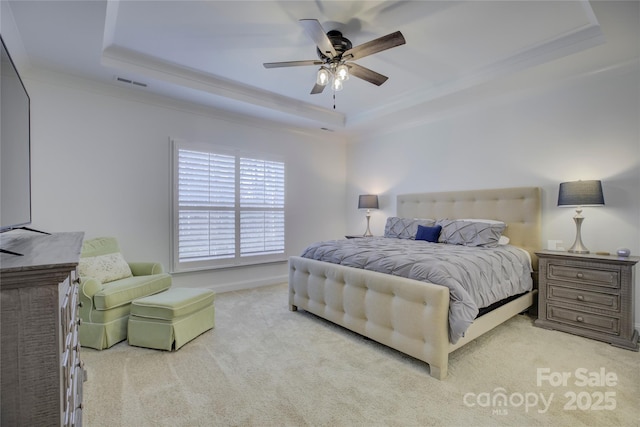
<point x="580" y="193"/>
<point x="368" y="201"/>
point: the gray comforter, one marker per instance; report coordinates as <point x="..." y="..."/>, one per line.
<point x="476" y="277"/>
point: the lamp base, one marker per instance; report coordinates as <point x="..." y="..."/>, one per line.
<point x="578" y="247"/>
<point x="577" y="251"/>
<point x="368" y="232"/>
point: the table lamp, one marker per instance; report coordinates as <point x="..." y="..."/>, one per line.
<point x="368" y="202"/>
<point x="579" y="194"/>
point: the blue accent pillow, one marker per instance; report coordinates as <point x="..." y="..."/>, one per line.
<point x="430" y="234"/>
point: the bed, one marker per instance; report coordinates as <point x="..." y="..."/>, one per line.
<point x="408" y="315"/>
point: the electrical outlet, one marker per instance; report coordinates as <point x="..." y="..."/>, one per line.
<point x="555" y="245"/>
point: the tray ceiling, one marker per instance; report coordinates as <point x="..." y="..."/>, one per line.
<point x="211" y="52"/>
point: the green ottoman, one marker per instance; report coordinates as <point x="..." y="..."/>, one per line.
<point x="170" y="319"/>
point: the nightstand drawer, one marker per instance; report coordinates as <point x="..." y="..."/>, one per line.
<point x="607" y="278"/>
<point x="590" y="299"/>
<point x="583" y="320"/>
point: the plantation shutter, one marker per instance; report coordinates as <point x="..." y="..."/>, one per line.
<point x="228" y="209"/>
<point x="206" y="194"/>
<point x="261" y="207"/>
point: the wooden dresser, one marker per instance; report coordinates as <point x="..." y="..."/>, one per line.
<point x="589" y="295"/>
<point x="42" y="373"/>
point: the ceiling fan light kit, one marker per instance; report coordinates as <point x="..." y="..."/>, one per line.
<point x="335" y="74"/>
<point x="335" y="53"/>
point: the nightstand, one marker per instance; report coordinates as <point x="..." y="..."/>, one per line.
<point x="588" y="295"/>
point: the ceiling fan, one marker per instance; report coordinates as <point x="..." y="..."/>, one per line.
<point x="336" y="53"/>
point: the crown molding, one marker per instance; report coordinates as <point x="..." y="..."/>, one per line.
<point x="125" y="59"/>
<point x="582" y="38"/>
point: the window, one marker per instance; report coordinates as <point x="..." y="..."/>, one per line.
<point x="228" y="208"/>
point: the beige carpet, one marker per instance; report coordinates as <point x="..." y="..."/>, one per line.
<point x="266" y="366"/>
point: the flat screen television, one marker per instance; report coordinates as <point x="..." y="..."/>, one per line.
<point x="15" y="147"/>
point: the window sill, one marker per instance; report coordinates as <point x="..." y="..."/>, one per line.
<point x="228" y="266"/>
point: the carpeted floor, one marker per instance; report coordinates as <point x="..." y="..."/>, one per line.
<point x="266" y="366"/>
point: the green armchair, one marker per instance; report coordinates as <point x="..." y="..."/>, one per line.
<point x="108" y="284"/>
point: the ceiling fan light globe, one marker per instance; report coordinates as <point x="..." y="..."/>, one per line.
<point x="342" y="72"/>
<point x="336" y="85"/>
<point x="323" y="77"/>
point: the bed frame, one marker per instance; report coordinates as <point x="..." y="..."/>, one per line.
<point x="405" y="314"/>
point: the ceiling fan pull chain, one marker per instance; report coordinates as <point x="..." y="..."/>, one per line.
<point x="334" y="99"/>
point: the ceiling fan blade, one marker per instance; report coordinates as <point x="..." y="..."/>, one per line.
<point x="366" y="74"/>
<point x="317" y="89"/>
<point x="292" y="63"/>
<point x="375" y="46"/>
<point x="316" y="33"/>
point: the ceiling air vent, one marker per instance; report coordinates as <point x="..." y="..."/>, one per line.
<point x="131" y="82"/>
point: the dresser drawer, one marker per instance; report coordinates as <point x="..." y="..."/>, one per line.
<point x="591" y="276"/>
<point x="596" y="322"/>
<point x="599" y="300"/>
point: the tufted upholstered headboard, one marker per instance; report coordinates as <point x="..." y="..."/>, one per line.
<point x="519" y="207"/>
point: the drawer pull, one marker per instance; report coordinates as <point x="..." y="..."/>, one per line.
<point x="579" y="275"/>
<point x="80" y="320"/>
<point x="580" y="319"/>
<point x="77" y="280"/>
<point x="580" y="298"/>
<point x="80" y="304"/>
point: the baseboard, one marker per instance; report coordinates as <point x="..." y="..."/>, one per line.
<point x="248" y="284"/>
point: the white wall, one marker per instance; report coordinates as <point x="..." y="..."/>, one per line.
<point x="586" y="128"/>
<point x="101" y="164"/>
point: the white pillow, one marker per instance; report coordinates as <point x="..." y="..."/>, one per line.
<point x="105" y="268"/>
